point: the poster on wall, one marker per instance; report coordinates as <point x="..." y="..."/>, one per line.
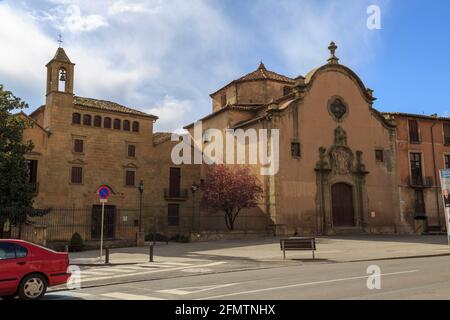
<point x="445" y="186"/>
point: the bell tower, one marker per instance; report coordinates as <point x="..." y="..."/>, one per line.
<point x="59" y="93"/>
<point x="60" y="74"/>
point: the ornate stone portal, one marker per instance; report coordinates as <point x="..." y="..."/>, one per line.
<point x="336" y="166"/>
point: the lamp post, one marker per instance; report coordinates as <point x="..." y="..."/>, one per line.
<point x="141" y="191"/>
<point x="194" y="189"/>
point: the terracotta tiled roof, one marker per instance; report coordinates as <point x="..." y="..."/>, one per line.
<point x="260" y="74"/>
<point x="108" y="106"/>
<point x="61" y="55"/>
<point x="160" y="137"/>
<point x="263" y="74"/>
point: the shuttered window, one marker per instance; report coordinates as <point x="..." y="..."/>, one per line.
<point x="78" y="145"/>
<point x="447" y="134"/>
<point x="76" y="175"/>
<point x="173" y="215"/>
<point x="130" y="178"/>
<point x="413" y="131"/>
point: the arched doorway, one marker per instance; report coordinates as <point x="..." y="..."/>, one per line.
<point x="342" y="205"/>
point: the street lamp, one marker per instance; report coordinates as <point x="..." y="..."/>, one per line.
<point x="194" y="188"/>
<point x="141" y="191"/>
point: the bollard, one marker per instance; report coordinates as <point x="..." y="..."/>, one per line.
<point x="106" y="255"/>
<point x="151" y="253"/>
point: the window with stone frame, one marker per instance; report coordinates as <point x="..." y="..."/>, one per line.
<point x="78" y="145"/>
<point x="130" y="178"/>
<point x="379" y="155"/>
<point x="76" y="175"/>
<point x="295" y="149"/>
<point x="131" y="151"/>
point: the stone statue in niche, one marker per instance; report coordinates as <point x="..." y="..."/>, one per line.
<point x="360" y="166"/>
<point x="323" y="161"/>
<point x="340" y="137"/>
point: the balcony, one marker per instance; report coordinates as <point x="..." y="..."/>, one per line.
<point x="176" y="195"/>
<point x="420" y="182"/>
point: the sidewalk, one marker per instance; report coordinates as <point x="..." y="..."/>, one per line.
<point x="329" y="249"/>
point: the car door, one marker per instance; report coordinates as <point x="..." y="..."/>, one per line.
<point x="10" y="270"/>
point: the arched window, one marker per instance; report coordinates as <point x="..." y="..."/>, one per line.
<point x="117" y="124"/>
<point x="107" y="123"/>
<point x="62" y="80"/>
<point x="126" y="125"/>
<point x="97" y="121"/>
<point x="87" y="120"/>
<point x="135" y="126"/>
<point x="76" y="118"/>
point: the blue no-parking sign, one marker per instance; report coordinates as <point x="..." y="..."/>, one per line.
<point x="104" y="192"/>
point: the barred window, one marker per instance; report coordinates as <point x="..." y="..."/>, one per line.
<point x="78" y="145"/>
<point x="130" y="178"/>
<point x="131" y="151"/>
<point x="76" y="175"/>
<point x="379" y="155"/>
<point x="295" y="149"/>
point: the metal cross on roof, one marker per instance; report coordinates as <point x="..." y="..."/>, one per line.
<point x="60" y="40"/>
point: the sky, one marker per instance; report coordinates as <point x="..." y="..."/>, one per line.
<point x="166" y="56"/>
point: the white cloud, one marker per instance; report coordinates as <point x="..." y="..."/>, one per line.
<point x="172" y="113"/>
<point x="74" y="21"/>
<point x="119" y="7"/>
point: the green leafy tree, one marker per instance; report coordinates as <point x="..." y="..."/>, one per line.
<point x="16" y="194"/>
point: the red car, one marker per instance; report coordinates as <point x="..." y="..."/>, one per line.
<point x="26" y="269"/>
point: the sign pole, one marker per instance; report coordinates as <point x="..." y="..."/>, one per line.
<point x="101" y="232"/>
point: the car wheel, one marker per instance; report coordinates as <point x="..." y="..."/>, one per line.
<point x="32" y="287"/>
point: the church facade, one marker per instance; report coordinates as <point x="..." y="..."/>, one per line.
<point x="341" y="162"/>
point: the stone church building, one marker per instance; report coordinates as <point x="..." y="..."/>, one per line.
<point x="339" y="169"/>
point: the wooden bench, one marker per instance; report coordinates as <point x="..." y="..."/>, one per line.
<point x="298" y="244"/>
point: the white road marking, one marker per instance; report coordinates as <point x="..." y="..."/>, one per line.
<point x="149" y="272"/>
<point x="302" y="285"/>
<point x="127" y="296"/>
<point x="191" y="290"/>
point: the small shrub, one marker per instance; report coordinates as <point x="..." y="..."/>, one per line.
<point x="155" y="237"/>
<point x="180" y="238"/>
<point x="76" y="243"/>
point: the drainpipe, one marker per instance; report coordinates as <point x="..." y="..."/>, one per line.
<point x="435" y="175"/>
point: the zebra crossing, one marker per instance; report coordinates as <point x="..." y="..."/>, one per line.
<point x="92" y="274"/>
